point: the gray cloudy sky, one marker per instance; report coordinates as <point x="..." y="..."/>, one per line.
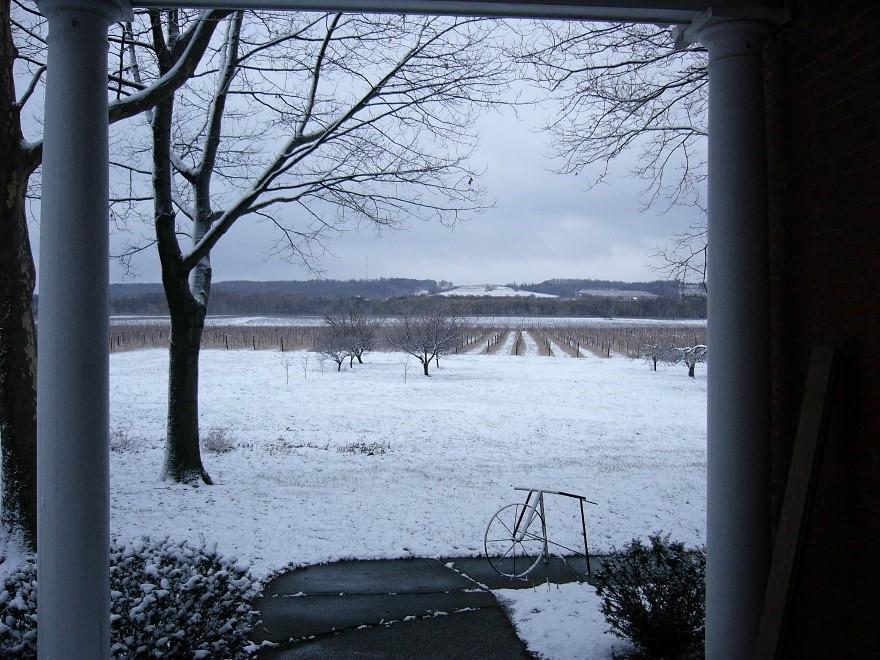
<point x="543" y="225"/>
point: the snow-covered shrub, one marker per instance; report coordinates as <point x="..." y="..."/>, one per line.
<point x="655" y="596"/>
<point x="167" y="600"/>
<point x="281" y="446"/>
<point x="18" y="613"/>
<point x="217" y="441"/>
<point x="121" y="439"/>
<point x="367" y="448"/>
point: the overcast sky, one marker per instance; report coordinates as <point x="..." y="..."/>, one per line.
<point x="542" y="225"/>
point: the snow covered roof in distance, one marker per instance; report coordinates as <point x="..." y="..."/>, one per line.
<point x="492" y="291"/>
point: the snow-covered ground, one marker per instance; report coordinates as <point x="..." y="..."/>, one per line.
<point x="493" y="321"/>
<point x="301" y="486"/>
<point x="507" y="347"/>
<point x="557" y="349"/>
<point x="492" y="291"/>
<point x="531" y="346"/>
<point x="562" y="622"/>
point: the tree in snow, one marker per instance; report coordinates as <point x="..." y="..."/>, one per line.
<point x="624" y="87"/>
<point x="315" y="123"/>
<point x="691" y="356"/>
<point x="22" y="71"/>
<point x="356" y="330"/>
<point x="427" y="336"/>
<point x="333" y="344"/>
<point x="653" y="353"/>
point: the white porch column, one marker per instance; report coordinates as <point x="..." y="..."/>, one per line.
<point x="72" y="367"/>
<point x="738" y="508"/>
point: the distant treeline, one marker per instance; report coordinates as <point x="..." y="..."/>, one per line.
<point x="588" y="306"/>
<point x="263" y="303"/>
<point x="385" y="297"/>
<point x="379" y="288"/>
<point x="568" y="288"/>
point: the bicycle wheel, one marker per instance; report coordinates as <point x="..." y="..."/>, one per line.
<point x="514" y="555"/>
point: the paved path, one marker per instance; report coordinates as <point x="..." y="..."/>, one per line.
<point x="406" y="608"/>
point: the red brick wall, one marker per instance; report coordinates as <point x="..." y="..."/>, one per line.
<point x="823" y="102"/>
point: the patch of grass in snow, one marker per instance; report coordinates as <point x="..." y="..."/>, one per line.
<point x="122" y="440"/>
<point x="218" y="441"/>
<point x="281" y="446"/>
<point x="367" y="448"/>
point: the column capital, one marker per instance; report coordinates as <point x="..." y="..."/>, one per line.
<point x="110" y="10"/>
<point x="730" y="25"/>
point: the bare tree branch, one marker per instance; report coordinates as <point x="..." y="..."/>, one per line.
<point x="624" y="88"/>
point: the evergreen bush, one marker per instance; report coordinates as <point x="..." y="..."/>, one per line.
<point x="655" y="596"/>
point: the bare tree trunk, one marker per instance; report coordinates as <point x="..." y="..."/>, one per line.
<point x="18" y="339"/>
<point x="18" y="368"/>
<point x="425" y="365"/>
<point x="183" y="459"/>
<point x="691" y="368"/>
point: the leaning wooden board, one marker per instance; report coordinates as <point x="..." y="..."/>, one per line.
<point x="796" y="505"/>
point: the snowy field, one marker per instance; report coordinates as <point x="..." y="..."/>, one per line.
<point x="297" y="487"/>
<point x="493" y="291"/>
<point x="482" y="321"/>
<point x="562" y="622"/>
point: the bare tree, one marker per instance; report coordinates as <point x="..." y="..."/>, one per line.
<point x="427" y="336"/>
<point x="626" y="87"/>
<point x="691" y="356"/>
<point x="339" y="338"/>
<point x="357" y="329"/>
<point x="333" y="344"/>
<point x="364" y="333"/>
<point x="23" y="60"/>
<point x="685" y="257"/>
<point x="652" y="353"/>
<point x="316" y="124"/>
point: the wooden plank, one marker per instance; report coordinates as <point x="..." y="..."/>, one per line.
<point x="796" y="505"/>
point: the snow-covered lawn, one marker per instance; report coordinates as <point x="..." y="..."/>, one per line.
<point x="562" y="622"/>
<point x="297" y="489"/>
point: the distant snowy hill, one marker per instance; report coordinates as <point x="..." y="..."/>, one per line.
<point x="492" y="291"/>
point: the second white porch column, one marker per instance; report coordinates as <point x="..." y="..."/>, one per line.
<point x="738" y="525"/>
<point x="72" y="395"/>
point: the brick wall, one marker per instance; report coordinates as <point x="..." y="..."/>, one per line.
<point x="823" y="103"/>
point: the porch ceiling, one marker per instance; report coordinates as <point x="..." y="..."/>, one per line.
<point x="643" y="11"/>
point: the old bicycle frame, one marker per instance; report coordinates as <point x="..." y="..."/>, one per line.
<point x="512" y="534"/>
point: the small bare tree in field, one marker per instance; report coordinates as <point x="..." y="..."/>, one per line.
<point x="425" y="336"/>
<point x="332" y="346"/>
<point x="364" y="334"/>
<point x="654" y="353"/>
<point x="691" y="356"/>
<point x="356" y="330"/>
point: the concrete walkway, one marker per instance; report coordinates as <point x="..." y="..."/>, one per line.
<point x="405" y="608"/>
